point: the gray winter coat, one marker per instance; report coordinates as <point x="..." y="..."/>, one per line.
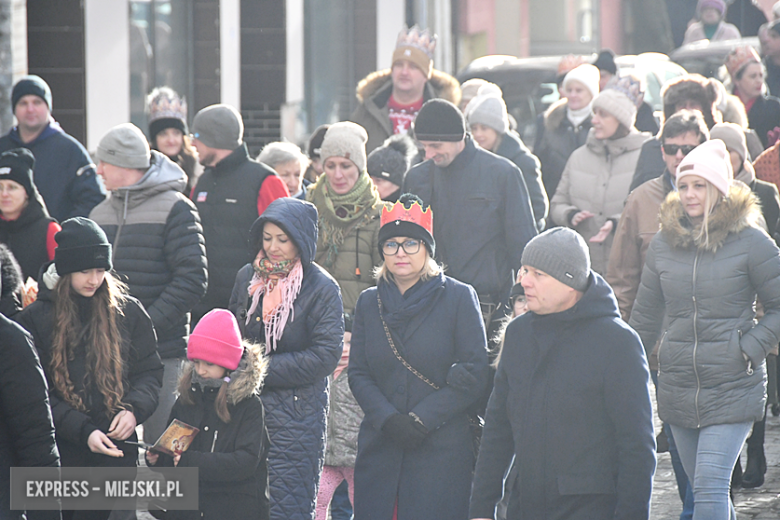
<point x="711" y="360"/>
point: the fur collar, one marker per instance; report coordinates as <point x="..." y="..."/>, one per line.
<point x="555" y="114"/>
<point x="247" y="379"/>
<point x="614" y="147"/>
<point x="444" y="86"/>
<point x="732" y="214"/>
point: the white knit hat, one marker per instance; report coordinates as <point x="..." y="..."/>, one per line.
<point x="710" y="161"/>
<point x="586" y="74"/>
<point x="489" y="111"/>
<point x="348" y="140"/>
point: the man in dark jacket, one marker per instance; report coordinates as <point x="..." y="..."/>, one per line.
<point x="483" y="212"/>
<point x="26" y="425"/>
<point x="64" y="173"/>
<point x="583" y="454"/>
<point x="390" y="99"/>
<point x="230" y="195"/>
<point x="157" y="243"/>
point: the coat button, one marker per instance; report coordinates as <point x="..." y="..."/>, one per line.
<point x="295" y="398"/>
<point x="257" y="318"/>
<point x="401" y="389"/>
<point x="205" y="428"/>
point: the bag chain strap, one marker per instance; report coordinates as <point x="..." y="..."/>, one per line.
<point x="397" y="354"/>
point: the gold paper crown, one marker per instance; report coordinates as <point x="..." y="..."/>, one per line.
<point x="165" y="103"/>
<point x="418" y="39"/>
<point x="739" y="57"/>
<point x="414" y="214"/>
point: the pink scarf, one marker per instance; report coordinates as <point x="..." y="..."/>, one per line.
<point x="280" y="283"/>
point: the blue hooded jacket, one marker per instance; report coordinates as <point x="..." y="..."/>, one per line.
<point x="295" y="392"/>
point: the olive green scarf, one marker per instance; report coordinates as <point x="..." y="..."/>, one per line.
<point x="339" y="214"/>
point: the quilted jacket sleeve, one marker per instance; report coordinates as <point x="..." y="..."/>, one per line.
<point x="145" y="369"/>
<point x="764" y="272"/>
<point x="649" y="307"/>
<point x="326" y="323"/>
<point x="185" y="254"/>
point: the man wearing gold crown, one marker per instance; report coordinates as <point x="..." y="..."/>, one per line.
<point x="390" y="98"/>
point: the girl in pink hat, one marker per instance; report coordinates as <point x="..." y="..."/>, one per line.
<point x="219" y="393"/>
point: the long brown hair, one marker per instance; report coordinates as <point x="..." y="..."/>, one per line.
<point x="187" y="396"/>
<point x="100" y="335"/>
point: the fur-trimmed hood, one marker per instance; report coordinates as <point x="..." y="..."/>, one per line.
<point x="614" y="147"/>
<point x="737" y="211"/>
<point x="444" y="86"/>
<point x="247" y="379"/>
<point x="555" y="114"/>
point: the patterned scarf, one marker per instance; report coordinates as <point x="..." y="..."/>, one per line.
<point x="280" y="283"/>
<point x="339" y="214"/>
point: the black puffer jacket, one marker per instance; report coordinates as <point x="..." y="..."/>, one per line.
<point x="513" y="148"/>
<point x="10" y="283"/>
<point x="711" y="367"/>
<point x="558" y="139"/>
<point x="295" y="393"/>
<point x="231" y="457"/>
<point x="142" y="377"/>
<point x="26" y="427"/>
<point x="483" y="217"/>
<point x="158" y="248"/>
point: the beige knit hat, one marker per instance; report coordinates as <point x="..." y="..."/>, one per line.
<point x="417" y="46"/>
<point x="348" y="140"/>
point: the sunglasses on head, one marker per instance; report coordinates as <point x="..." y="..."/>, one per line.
<point x="672" y="149"/>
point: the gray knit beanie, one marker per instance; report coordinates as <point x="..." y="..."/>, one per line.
<point x="125" y="146"/>
<point x="219" y="126"/>
<point x="489" y="111"/>
<point x="348" y="140"/>
<point x="563" y="254"/>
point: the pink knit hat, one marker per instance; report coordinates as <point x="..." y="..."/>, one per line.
<point x="216" y="339"/>
<point x="710" y="161"/>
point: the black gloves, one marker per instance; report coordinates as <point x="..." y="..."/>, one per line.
<point x="406" y="431"/>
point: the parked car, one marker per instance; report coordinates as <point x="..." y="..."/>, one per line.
<point x="706" y="58"/>
<point x="529" y="83"/>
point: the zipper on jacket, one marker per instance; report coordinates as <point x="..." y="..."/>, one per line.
<point x="121" y="225"/>
<point x="214" y="442"/>
<point x="696" y="340"/>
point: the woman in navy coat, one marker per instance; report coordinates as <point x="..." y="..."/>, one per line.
<point x="288" y="302"/>
<point x="417" y="368"/>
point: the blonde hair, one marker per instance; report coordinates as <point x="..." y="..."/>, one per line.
<point x="429" y="270"/>
<point x="711" y="199"/>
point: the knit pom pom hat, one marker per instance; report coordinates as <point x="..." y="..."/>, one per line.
<point x="710" y="161"/>
<point x="216" y="339"/>
<point x="392" y="160"/>
<point x="620" y="98"/>
<point x="348" y="140"/>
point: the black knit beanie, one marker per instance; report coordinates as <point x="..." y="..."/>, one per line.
<point x="606" y="61"/>
<point x="81" y="245"/>
<point x="31" y="85"/>
<point x="439" y="120"/>
<point x="391" y="160"/>
<point x="315" y="141"/>
<point x="402" y="228"/>
<point x="17" y="165"/>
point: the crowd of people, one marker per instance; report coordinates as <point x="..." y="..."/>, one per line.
<point x="417" y="317"/>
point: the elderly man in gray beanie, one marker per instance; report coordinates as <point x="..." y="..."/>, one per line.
<point x="158" y="245"/>
<point x="232" y="192"/>
<point x="588" y="453"/>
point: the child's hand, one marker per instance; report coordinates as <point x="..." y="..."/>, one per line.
<point x="151" y="458"/>
<point x="176" y="459"/>
<point x="98" y="442"/>
<point x="122" y="426"/>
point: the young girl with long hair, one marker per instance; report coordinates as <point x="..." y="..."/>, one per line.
<point x="98" y="351"/>
<point x="219" y="393"/>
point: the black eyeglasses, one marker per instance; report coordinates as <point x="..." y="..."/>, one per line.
<point x="410" y="247"/>
<point x="672" y="149"/>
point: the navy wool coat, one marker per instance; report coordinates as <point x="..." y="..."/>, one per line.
<point x="432" y="481"/>
<point x="295" y="392"/>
